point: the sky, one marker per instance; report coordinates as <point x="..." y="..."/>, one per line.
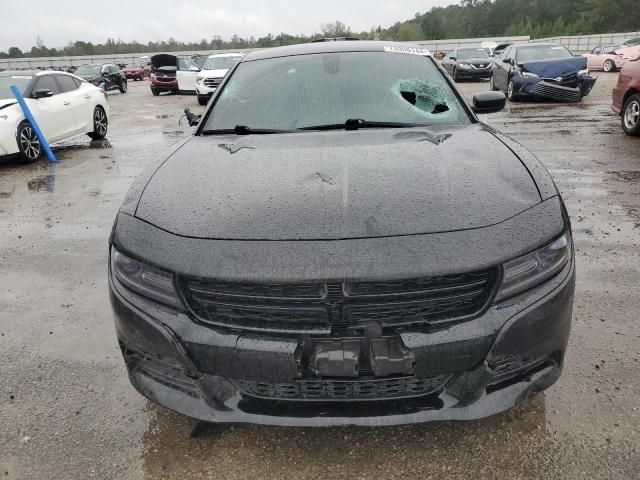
<point x="59" y="21"/>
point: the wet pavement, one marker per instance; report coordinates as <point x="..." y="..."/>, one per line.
<point x="67" y="410"/>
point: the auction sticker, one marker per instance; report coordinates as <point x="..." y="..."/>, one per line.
<point x="409" y="50"/>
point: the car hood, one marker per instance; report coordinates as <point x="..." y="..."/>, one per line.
<point x="556" y="68"/>
<point x="5" y="103"/>
<point x="484" y="60"/>
<point x="337" y="185"/>
<point x="90" y="77"/>
<point x="213" y="73"/>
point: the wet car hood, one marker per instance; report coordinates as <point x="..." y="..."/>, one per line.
<point x="337" y="185"/>
<point x="484" y="60"/>
<point x="556" y="68"/>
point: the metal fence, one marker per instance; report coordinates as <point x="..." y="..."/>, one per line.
<point x="449" y="44"/>
<point x="577" y="44"/>
<point x="586" y="43"/>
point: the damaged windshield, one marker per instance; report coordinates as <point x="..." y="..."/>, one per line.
<point x="542" y="53"/>
<point x="469" y="53"/>
<point x="305" y="91"/>
<point x="89" y="70"/>
<point x="221" y="63"/>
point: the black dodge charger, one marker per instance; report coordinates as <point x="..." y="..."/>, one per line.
<point x="342" y="241"/>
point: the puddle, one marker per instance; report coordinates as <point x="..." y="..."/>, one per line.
<point x="44" y="183"/>
<point x="633" y="176"/>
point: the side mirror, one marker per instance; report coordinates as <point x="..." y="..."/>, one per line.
<point x="489" y="102"/>
<point x="192" y="118"/>
<point x="508" y="60"/>
<point x="193" y="68"/>
<point x="453" y="58"/>
<point x="43" y="93"/>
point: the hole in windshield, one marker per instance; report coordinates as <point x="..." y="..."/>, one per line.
<point x="304" y="91"/>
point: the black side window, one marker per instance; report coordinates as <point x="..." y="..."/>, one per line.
<point x="47" y="82"/>
<point x="66" y="83"/>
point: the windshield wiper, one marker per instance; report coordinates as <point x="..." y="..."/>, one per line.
<point x="358" y="123"/>
<point x="244" y="130"/>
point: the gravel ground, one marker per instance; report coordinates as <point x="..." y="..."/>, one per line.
<point x="67" y="410"/>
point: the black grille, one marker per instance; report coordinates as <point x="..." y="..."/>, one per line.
<point x="212" y="82"/>
<point x="337" y="390"/>
<point x="556" y="92"/>
<point x="322" y="308"/>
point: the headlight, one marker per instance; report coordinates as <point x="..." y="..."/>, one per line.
<point x="464" y="66"/>
<point x="535" y="268"/>
<point x="148" y="281"/>
<point x="199" y="81"/>
<point x="583" y="72"/>
<point x="529" y="75"/>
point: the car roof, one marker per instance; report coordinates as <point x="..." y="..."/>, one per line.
<point x="537" y="44"/>
<point x="232" y="54"/>
<point x="327" y="47"/>
<point x="18" y="73"/>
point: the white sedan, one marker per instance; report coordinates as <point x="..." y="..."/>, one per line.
<point x="64" y="106"/>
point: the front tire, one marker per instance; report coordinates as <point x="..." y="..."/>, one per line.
<point x="100" y="124"/>
<point x="455" y="76"/>
<point x="155" y="92"/>
<point x="609" y="66"/>
<point x="511" y="92"/>
<point x="28" y="144"/>
<point x="631" y="115"/>
<point x="203" y="99"/>
<point x="123" y="87"/>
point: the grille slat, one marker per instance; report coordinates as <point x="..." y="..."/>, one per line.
<point x="337" y="390"/>
<point x="318" y="307"/>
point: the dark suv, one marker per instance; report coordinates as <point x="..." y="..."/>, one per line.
<point x="321" y="253"/>
<point x="106" y="76"/>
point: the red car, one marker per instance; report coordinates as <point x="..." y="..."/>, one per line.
<point x="134" y="71"/>
<point x="163" y="76"/>
<point x="626" y="97"/>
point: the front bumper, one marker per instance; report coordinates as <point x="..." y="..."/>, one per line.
<point x="480" y="368"/>
<point x="549" y="89"/>
<point x="203" y="90"/>
<point x="474" y="73"/>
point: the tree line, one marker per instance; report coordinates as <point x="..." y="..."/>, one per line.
<point x="468" y="19"/>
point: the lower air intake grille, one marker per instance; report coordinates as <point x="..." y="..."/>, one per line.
<point x="337" y="390"/>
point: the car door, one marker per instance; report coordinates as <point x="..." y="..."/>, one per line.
<point x="500" y="70"/>
<point x="54" y="114"/>
<point x="81" y="102"/>
<point x="187" y="75"/>
<point x="448" y="61"/>
<point x="593" y="58"/>
<point x="116" y="75"/>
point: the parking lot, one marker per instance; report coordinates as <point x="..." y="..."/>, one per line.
<point x="67" y="409"/>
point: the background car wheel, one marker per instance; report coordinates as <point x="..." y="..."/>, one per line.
<point x="155" y="92"/>
<point x="100" y="124"/>
<point x="609" y="66"/>
<point x="455" y="75"/>
<point x="631" y="115"/>
<point x="203" y="100"/>
<point x="123" y="87"/>
<point x="28" y="143"/>
<point x="511" y="92"/>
